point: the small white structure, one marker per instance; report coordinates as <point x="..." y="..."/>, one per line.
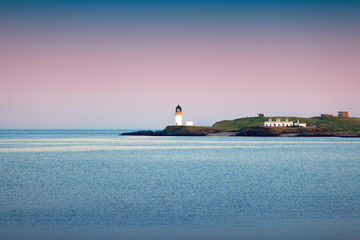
<point x="189" y="123"/>
<point x="178" y="116"/>
<point x="278" y="123"/>
<point x="299" y="124"/>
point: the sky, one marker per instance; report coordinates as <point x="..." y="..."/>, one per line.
<point x="128" y="64"/>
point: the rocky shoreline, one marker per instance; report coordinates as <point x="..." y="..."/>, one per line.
<point x="285" y="132"/>
<point x="177" y="131"/>
<point x="245" y="132"/>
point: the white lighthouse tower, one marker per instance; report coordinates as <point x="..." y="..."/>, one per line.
<point x="178" y="116"/>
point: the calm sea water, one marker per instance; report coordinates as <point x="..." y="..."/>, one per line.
<point x="97" y="185"/>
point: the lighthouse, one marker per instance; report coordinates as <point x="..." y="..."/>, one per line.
<point x="178" y="116"/>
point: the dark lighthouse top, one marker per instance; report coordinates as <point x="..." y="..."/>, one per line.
<point x="178" y="109"/>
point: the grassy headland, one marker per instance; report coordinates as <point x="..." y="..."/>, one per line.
<point x="335" y="125"/>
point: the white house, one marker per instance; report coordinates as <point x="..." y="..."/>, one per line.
<point x="299" y="124"/>
<point x="278" y="123"/>
<point x="286" y="123"/>
<point x="189" y="123"/>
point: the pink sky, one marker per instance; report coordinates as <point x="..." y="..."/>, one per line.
<point x="136" y="80"/>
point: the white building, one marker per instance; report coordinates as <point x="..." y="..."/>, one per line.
<point x="278" y="123"/>
<point x="178" y="116"/>
<point x="189" y="123"/>
<point x="299" y="124"/>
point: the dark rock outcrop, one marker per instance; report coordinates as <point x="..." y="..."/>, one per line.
<point x="140" y="133"/>
<point x="177" y="131"/>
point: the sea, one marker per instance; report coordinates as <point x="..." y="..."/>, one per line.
<point x="95" y="184"/>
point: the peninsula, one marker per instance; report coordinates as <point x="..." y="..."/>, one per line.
<point x="326" y="125"/>
<point x="322" y="126"/>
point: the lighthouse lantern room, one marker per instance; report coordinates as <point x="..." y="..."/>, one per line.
<point x="178" y="116"/>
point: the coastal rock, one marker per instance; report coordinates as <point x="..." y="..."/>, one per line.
<point x="285" y="131"/>
<point x="140" y="133"/>
<point x="177" y="131"/>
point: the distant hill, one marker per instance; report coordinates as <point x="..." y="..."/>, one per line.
<point x="336" y="125"/>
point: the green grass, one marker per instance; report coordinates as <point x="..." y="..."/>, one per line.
<point x="334" y="124"/>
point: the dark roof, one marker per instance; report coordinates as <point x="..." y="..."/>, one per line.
<point x="178" y="107"/>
